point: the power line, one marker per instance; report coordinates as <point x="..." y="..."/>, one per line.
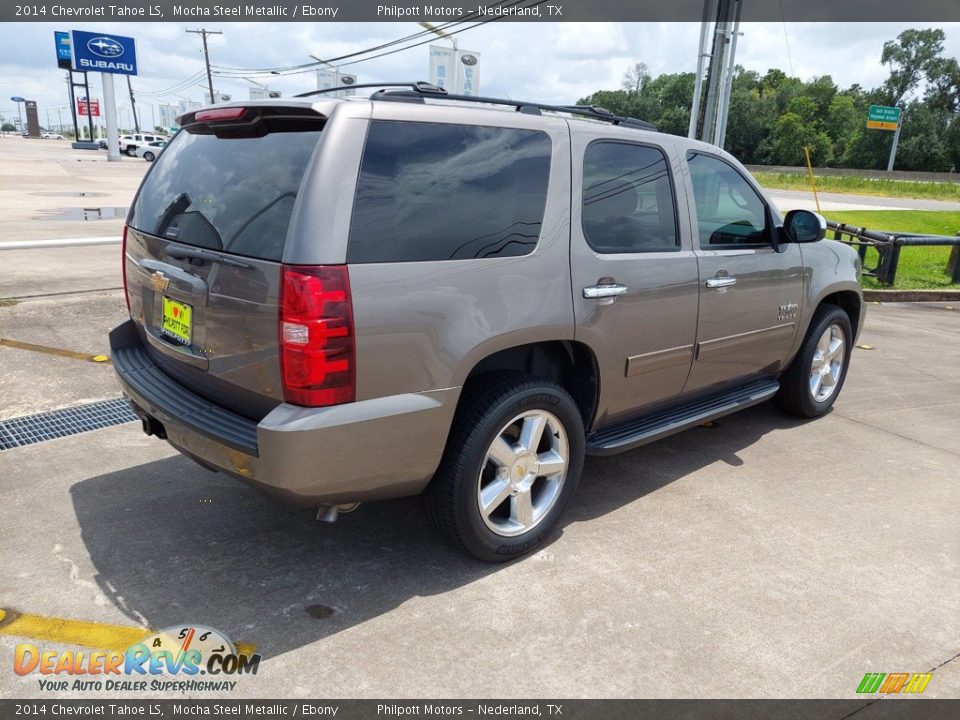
<point x="206" y="55"/>
<point x="222" y="71"/>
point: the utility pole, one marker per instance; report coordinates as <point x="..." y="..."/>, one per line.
<point x="711" y="113"/>
<point x="203" y="32"/>
<point x="133" y="106"/>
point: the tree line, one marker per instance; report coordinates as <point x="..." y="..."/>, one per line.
<point x="773" y="116"/>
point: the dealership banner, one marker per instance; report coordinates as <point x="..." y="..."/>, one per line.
<point x="471" y="12"/>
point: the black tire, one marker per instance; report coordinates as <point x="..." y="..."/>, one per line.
<point x="795" y="396"/>
<point x="488" y="404"/>
<point x="131" y="151"/>
<point x="148" y="156"/>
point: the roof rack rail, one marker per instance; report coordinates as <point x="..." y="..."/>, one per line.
<point x="418" y="91"/>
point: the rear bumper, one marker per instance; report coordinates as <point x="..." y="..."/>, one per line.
<point x="367" y="450"/>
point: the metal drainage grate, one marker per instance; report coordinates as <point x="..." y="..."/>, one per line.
<point x="32" y="429"/>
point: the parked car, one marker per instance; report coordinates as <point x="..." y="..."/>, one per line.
<point x="343" y="300"/>
<point x="51" y="136"/>
<point x="150" y="151"/>
<point x="130" y="143"/>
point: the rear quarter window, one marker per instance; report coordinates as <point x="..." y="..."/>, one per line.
<point x="234" y="195"/>
<point x="431" y="191"/>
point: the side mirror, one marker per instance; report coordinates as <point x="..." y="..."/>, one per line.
<point x="803" y="226"/>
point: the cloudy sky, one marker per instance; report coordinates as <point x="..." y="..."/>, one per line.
<point x="550" y="62"/>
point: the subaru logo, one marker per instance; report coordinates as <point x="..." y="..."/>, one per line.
<point x="469" y="59"/>
<point x="105" y="47"/>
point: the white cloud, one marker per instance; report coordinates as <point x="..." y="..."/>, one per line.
<point x="588" y="40"/>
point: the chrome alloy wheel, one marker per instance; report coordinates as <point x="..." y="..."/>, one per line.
<point x="523" y="473"/>
<point x="827" y="363"/>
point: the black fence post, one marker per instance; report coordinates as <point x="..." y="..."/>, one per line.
<point x="890" y="274"/>
<point x="954" y="263"/>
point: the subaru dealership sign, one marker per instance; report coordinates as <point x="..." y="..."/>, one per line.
<point x="99" y="52"/>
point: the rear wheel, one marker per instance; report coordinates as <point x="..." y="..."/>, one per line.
<point x="811" y="384"/>
<point x="512" y="462"/>
<point x="131" y="151"/>
<point x="148" y="156"/>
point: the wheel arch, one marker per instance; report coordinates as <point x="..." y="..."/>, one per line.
<point x="570" y="364"/>
<point x="851" y="302"/>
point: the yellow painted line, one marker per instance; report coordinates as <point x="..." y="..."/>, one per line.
<point x="7" y="342"/>
<point x="100" y="636"/>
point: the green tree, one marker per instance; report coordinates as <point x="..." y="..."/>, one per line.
<point x="8" y="127"/>
<point x="952" y="142"/>
<point x="635" y="78"/>
<point x="791" y="134"/>
<point x="910" y="57"/>
<point x="943" y="84"/>
<point x="923" y="140"/>
<point x="804" y="106"/>
<point x="821" y="90"/>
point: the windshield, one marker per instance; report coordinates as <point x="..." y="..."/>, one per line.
<point x="234" y="195"/>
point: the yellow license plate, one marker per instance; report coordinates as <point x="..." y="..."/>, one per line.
<point x="177" y="320"/>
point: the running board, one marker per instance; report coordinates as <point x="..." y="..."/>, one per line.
<point x="649" y="428"/>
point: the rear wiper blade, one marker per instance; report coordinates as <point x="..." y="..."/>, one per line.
<point x="190" y="253"/>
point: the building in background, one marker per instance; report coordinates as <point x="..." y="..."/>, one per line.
<point x="168" y="116"/>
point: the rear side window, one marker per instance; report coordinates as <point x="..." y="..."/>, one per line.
<point x="431" y="191"/>
<point x="628" y="204"/>
<point x="234" y="195"/>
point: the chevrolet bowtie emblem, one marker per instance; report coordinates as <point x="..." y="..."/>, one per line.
<point x="159" y="281"/>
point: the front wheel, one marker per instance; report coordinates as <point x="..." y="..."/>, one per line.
<point x="811" y="384"/>
<point x="512" y="462"/>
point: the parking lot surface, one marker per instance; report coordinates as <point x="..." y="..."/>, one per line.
<point x="759" y="557"/>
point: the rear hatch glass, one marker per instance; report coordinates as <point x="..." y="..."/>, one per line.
<point x="206" y="236"/>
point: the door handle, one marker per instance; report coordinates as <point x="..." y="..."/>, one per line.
<point x="610" y="290"/>
<point x="721" y="282"/>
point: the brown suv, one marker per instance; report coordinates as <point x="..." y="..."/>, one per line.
<point x="342" y="300"/>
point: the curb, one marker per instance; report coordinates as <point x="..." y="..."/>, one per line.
<point x="911" y="295"/>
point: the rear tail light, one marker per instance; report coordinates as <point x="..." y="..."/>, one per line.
<point x="317" y="354"/>
<point x="123" y="268"/>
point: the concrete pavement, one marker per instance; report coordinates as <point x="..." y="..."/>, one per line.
<point x="763" y="557"/>
<point x="42" y="182"/>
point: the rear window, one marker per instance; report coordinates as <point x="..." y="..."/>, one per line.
<point x="234" y="195"/>
<point x="430" y="191"/>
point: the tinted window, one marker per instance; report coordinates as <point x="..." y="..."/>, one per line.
<point x="234" y="195"/>
<point x="443" y="192"/>
<point x="628" y="202"/>
<point x="729" y="211"/>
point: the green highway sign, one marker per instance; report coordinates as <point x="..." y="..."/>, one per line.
<point x="883" y="117"/>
